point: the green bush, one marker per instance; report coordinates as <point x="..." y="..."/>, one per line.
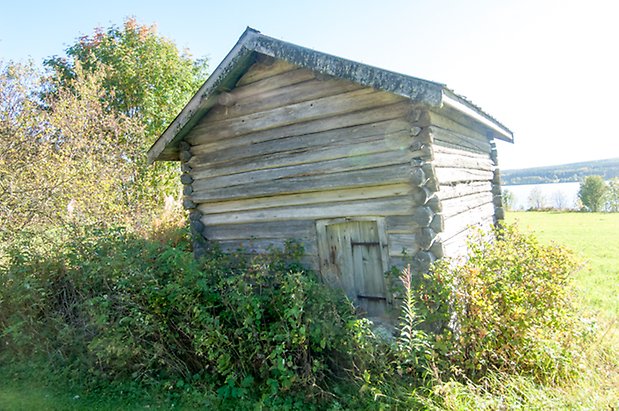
<point x="114" y="307"/>
<point x="511" y="309"/>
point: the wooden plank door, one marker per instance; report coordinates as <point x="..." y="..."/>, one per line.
<point x="352" y="257"/>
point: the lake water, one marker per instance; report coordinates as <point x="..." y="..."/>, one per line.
<point x="555" y="195"/>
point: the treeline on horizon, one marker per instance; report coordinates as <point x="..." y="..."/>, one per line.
<point x="565" y="173"/>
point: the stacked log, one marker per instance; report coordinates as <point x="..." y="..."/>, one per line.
<point x="465" y="165"/>
<point x="195" y="215"/>
<point x="423" y="177"/>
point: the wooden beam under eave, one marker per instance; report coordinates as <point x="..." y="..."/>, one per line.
<point x="498" y="130"/>
<point x="223" y="78"/>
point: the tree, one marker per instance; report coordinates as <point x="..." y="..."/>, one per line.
<point x="612" y="195"/>
<point x="591" y="193"/>
<point x="536" y="199"/>
<point x="508" y="199"/>
<point x="559" y="201"/>
<point x="65" y="157"/>
<point x="146" y="78"/>
<point x="97" y="147"/>
<point x="18" y="132"/>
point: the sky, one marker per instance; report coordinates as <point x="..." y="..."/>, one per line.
<point x="548" y="70"/>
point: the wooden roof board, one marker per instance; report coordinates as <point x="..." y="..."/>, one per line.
<point x="253" y="43"/>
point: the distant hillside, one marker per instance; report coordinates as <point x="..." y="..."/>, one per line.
<point x="564" y="173"/>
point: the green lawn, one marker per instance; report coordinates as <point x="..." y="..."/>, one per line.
<point x="595" y="238"/>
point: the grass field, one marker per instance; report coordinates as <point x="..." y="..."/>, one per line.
<point x="28" y="390"/>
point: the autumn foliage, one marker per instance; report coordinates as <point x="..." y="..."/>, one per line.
<point x="73" y="140"/>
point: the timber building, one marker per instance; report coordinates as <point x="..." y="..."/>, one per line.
<point x="365" y="167"/>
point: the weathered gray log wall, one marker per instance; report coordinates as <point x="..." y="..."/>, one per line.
<point x="288" y="146"/>
<point x="465" y="165"/>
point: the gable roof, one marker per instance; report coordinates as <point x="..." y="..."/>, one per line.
<point x="252" y="43"/>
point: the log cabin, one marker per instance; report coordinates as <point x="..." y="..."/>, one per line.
<point x="366" y="168"/>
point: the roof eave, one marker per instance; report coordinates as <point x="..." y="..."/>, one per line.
<point x="460" y="104"/>
<point x="226" y="74"/>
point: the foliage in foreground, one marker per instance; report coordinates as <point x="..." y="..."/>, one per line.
<point x="595" y="238"/>
<point x="512" y="310"/>
<point x="111" y="307"/>
<point x="234" y="331"/>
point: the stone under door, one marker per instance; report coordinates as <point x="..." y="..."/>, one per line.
<point x="353" y="256"/>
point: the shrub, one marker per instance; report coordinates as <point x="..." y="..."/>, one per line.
<point x="116" y="307"/>
<point x="512" y="309"/>
<point x="243" y="331"/>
